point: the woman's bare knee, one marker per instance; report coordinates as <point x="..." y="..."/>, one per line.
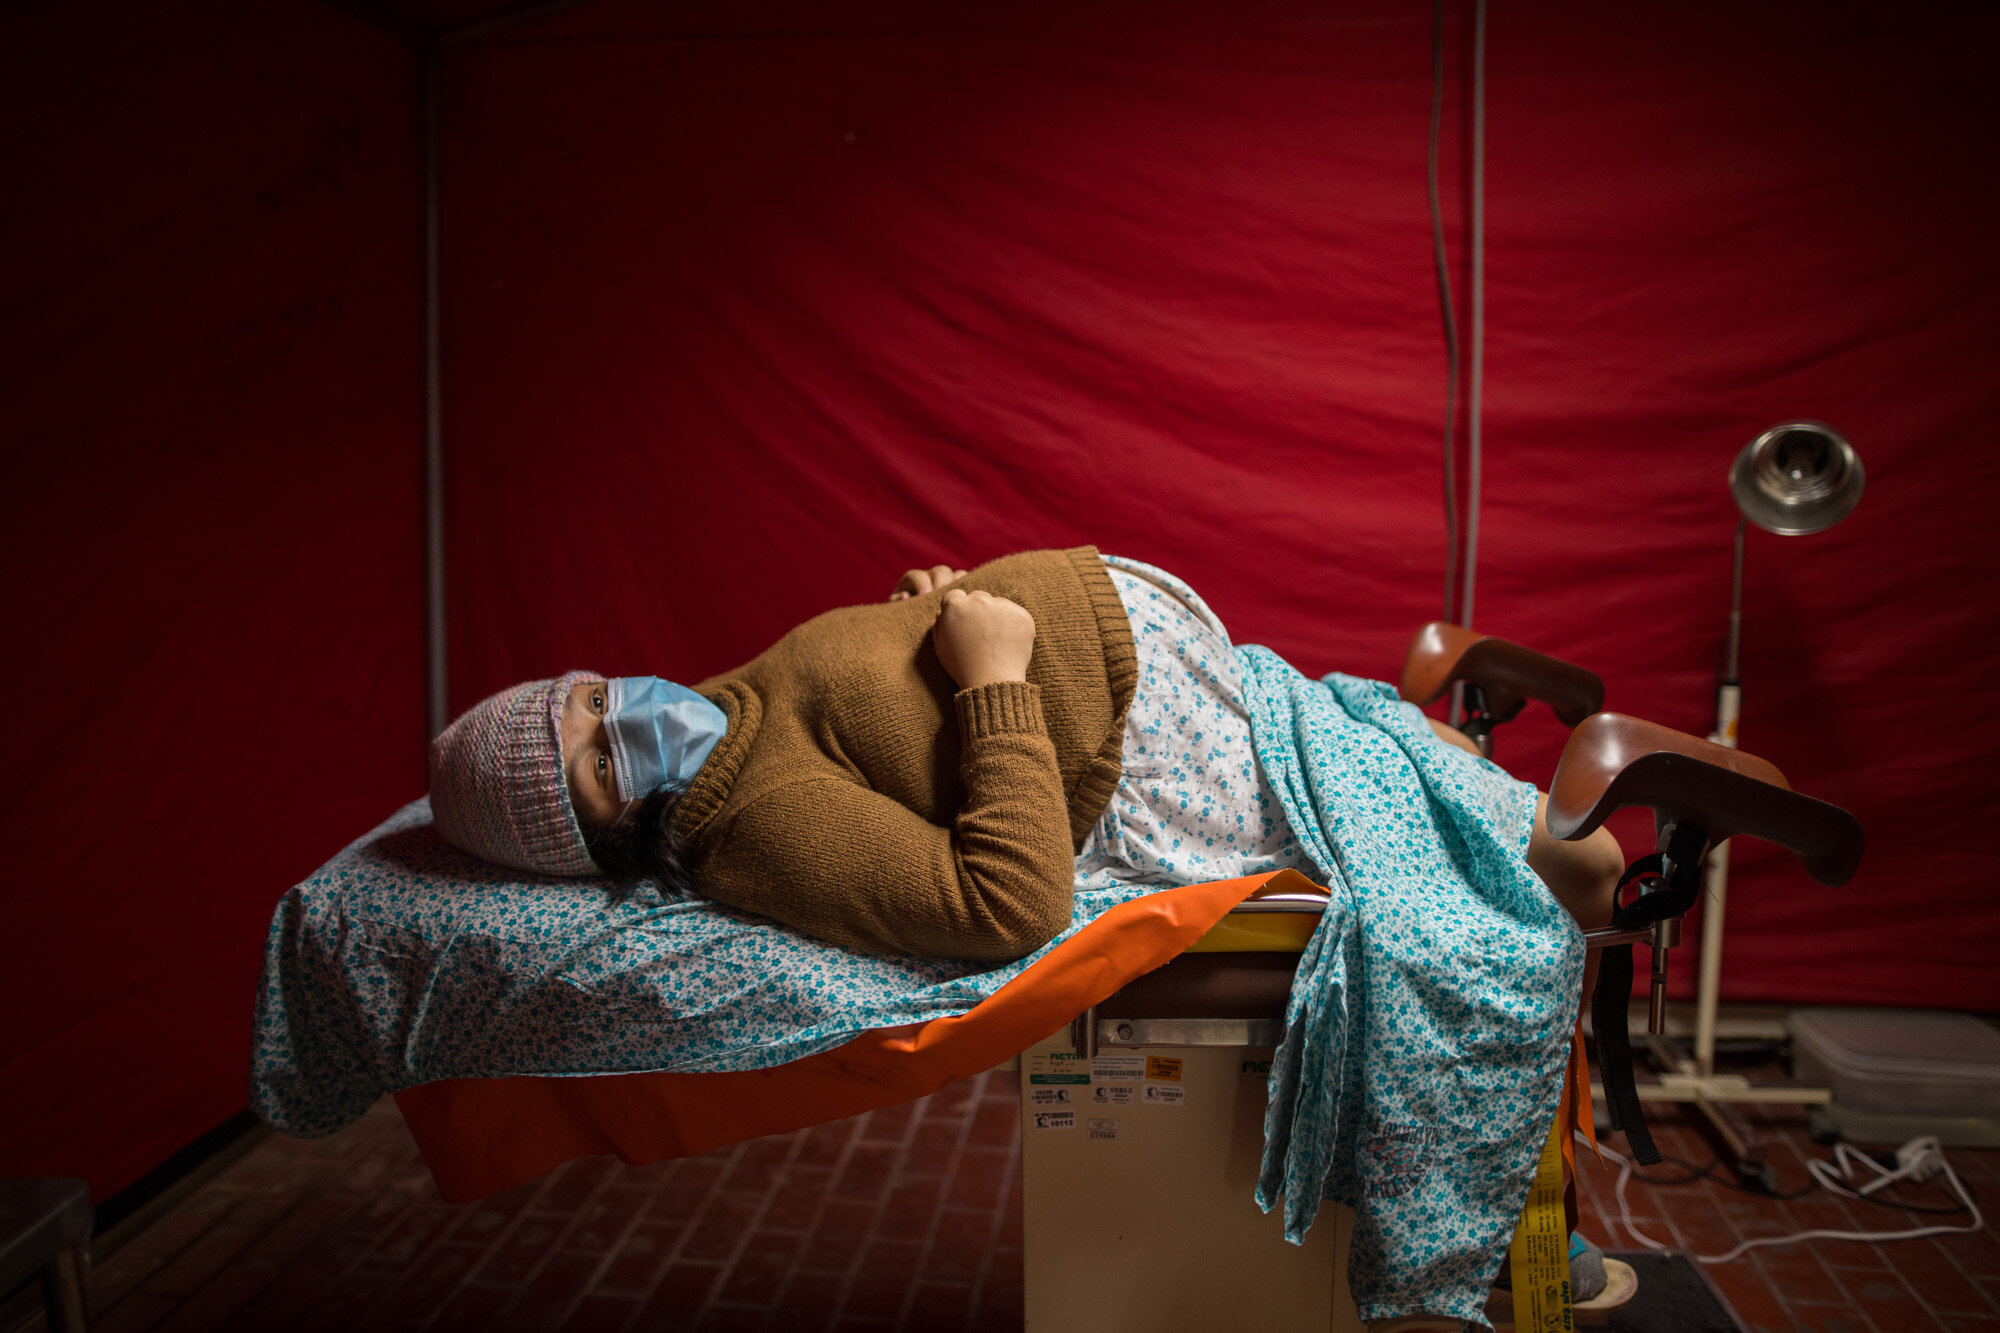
<point x="1583" y="875"/>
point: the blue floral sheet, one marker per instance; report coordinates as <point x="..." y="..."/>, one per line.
<point x="1429" y="1023"/>
<point x="403" y="960"/>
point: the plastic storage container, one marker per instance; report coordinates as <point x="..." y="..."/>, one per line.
<point x="1897" y="1073"/>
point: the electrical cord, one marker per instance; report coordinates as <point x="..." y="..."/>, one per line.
<point x="1921" y="1208"/>
<point x="1474" y="452"/>
<point x="1918" y="1160"/>
<point x="1461" y="545"/>
<point x="1695" y="1173"/>
<point x="1450" y="319"/>
<point x="1755" y="1192"/>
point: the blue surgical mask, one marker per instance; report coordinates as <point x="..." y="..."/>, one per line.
<point x="660" y="733"/>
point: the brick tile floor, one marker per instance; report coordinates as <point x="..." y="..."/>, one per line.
<point x="1904" y="1286"/>
<point x="831" y="1227"/>
<point x="908" y="1218"/>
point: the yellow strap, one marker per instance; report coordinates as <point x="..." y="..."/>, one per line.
<point x="1539" y="1257"/>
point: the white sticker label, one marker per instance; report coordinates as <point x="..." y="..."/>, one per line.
<point x="1103" y="1129"/>
<point x="1164" y="1094"/>
<point x="1055" y="1120"/>
<point x="1105" y="1094"/>
<point x="1058" y="1067"/>
<point x="1118" y="1068"/>
<point x="1050" y="1096"/>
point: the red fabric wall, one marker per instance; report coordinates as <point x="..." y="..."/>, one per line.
<point x="748" y="309"/>
<point x="209" y="374"/>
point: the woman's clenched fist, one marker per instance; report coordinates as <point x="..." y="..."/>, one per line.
<point x="982" y="639"/>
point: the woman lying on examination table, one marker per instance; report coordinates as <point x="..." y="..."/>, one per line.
<point x="933" y="775"/>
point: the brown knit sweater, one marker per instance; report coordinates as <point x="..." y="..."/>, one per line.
<point x="861" y="797"/>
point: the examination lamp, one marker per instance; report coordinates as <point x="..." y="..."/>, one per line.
<point x="1795" y="478"/>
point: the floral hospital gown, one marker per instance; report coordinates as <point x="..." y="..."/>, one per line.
<point x="1192" y="805"/>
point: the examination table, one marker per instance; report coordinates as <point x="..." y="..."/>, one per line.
<point x="1167" y="1007"/>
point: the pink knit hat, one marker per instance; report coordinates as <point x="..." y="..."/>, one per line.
<point x="497" y="784"/>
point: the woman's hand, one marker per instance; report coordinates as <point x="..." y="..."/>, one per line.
<point x="982" y="639"/>
<point x="917" y="582"/>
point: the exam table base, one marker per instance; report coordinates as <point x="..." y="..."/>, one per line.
<point x="1156" y="1230"/>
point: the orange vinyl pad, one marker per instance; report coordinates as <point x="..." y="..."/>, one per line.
<point x="483" y="1135"/>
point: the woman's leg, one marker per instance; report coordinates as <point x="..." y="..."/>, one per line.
<point x="1583" y="875"/>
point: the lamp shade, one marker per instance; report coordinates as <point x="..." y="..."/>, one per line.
<point x="1795" y="478"/>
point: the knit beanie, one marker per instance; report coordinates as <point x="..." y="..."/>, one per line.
<point x="497" y="784"/>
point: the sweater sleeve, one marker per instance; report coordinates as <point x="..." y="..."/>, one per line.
<point x="829" y="857"/>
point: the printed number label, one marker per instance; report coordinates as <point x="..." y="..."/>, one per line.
<point x="1050" y="1096"/>
<point x="1105" y="1094"/>
<point x="1055" y="1119"/>
<point x="1103" y="1129"/>
<point x="1161" y="1095"/>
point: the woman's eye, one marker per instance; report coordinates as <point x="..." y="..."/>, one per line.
<point x="602" y="765"/>
<point x="597" y="702"/>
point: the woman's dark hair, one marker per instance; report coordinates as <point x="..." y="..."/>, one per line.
<point x="644" y="845"/>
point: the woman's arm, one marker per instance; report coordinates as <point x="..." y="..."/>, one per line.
<point x="840" y="862"/>
<point x="845" y="863"/>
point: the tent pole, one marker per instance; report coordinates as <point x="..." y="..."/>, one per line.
<point x="1475" y="458"/>
<point x="434" y="641"/>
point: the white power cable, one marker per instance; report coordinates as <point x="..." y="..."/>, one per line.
<point x="1918" y="1160"/>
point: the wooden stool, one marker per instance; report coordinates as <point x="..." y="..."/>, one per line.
<point x="45" y="1227"/>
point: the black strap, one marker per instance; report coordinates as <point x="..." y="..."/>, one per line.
<point x="1610" y="1013"/>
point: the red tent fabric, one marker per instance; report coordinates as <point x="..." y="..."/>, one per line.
<point x="750" y="311"/>
<point x="210" y="371"/>
<point x="748" y="308"/>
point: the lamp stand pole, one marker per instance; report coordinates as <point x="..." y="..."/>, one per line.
<point x="1694" y="1080"/>
<point x="1797" y="477"/>
<point x="1715" y="888"/>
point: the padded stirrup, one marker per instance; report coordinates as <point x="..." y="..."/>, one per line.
<point x="1506" y="673"/>
<point x="1613" y="761"/>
